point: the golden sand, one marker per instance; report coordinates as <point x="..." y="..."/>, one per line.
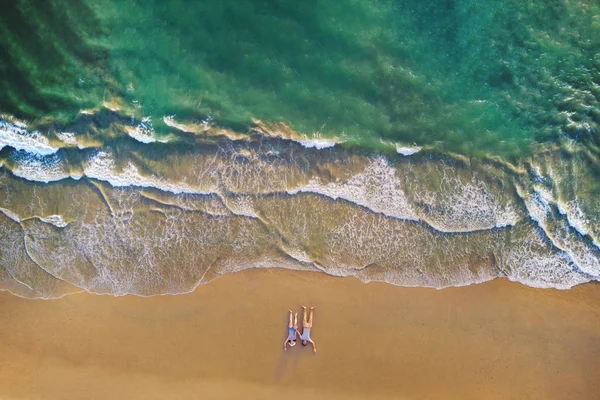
<point x="497" y="340"/>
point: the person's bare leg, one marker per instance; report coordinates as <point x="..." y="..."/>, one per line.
<point x="290" y="323"/>
<point x="304" y="317"/>
<point x="296" y="320"/>
<point x="310" y="315"/>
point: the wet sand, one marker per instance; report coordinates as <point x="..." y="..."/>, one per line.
<point x="497" y="340"/>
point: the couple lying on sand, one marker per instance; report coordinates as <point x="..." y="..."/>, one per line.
<point x="293" y="330"/>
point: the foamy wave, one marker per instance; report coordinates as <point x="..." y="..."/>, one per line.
<point x="67" y="137"/>
<point x="551" y="272"/>
<point x="10" y="214"/>
<point x="398" y="277"/>
<point x="533" y="263"/>
<point x="102" y="166"/>
<point x="38" y="168"/>
<point x="240" y="205"/>
<point x="18" y="137"/>
<point x="70" y="139"/>
<point x="575" y="216"/>
<point x="407" y="150"/>
<point x="316" y="143"/>
<point x="464" y="208"/>
<point x="585" y="258"/>
<point x="536" y="204"/>
<point x="204" y="125"/>
<point x="376" y="188"/>
<point x="55" y="220"/>
<point x="143" y="132"/>
<point x="462" y="202"/>
<point x="227" y="267"/>
<point x="282" y="131"/>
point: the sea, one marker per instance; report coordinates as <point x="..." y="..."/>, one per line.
<point x="148" y="147"/>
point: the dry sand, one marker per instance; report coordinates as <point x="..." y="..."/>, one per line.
<point x="497" y="340"/>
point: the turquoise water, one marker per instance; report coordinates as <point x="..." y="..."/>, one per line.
<point x="499" y="101"/>
<point x="467" y="76"/>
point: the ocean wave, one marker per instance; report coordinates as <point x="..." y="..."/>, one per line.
<point x="55" y="220"/>
<point x="407" y="150"/>
<point x="144" y="132"/>
<point x="102" y="166"/>
<point x="10" y="214"/>
<point x="430" y="221"/>
<point x="67" y="138"/>
<point x="38" y="168"/>
<point x="317" y="143"/>
<point x="17" y="136"/>
<point x="376" y="188"/>
<point x="283" y="131"/>
<point x="203" y="126"/>
<point x="584" y="257"/>
<point x="455" y="207"/>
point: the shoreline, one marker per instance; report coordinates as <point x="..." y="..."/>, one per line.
<point x="493" y="340"/>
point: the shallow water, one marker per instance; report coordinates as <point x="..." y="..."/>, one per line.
<point x="147" y="148"/>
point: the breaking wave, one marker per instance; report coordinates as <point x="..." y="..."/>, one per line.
<point x="152" y="218"/>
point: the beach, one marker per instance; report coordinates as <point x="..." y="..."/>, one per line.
<point x="496" y="340"/>
<point x="175" y="176"/>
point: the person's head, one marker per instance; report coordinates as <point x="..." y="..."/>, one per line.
<point x="292" y="343"/>
<point x="304" y="343"/>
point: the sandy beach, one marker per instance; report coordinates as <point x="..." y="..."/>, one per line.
<point x="498" y="340"/>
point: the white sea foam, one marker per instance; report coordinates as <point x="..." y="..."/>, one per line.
<point x="317" y="143"/>
<point x="407" y="150"/>
<point x="401" y="277"/>
<point x="10" y="214"/>
<point x="67" y="137"/>
<point x="55" y="220"/>
<point x="456" y="204"/>
<point x="143" y="132"/>
<point x="19" y="124"/>
<point x="546" y="273"/>
<point x="38" y="168"/>
<point x="376" y="188"/>
<point x="536" y="204"/>
<point x="575" y="216"/>
<point x="230" y="267"/>
<point x="533" y="264"/>
<point x="204" y="125"/>
<point x="380" y="188"/>
<point x="140" y="136"/>
<point x="240" y="205"/>
<point x="169" y="120"/>
<point x="462" y="208"/>
<point x="101" y="166"/>
<point x="584" y="257"/>
<point x="18" y="137"/>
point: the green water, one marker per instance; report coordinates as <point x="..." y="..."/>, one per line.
<point x="132" y="161"/>
<point x="466" y="76"/>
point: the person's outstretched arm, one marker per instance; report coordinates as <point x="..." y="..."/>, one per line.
<point x="285" y="345"/>
<point x="314" y="346"/>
